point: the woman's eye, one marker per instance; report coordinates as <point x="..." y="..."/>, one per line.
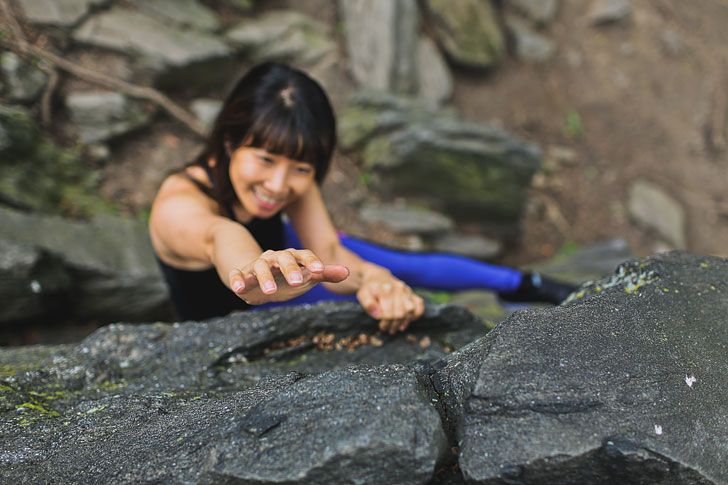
<point x="304" y="169"/>
<point x="264" y="159"/>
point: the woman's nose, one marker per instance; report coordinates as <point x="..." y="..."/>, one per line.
<point x="277" y="180"/>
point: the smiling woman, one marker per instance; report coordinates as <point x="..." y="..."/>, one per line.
<point x="220" y="240"/>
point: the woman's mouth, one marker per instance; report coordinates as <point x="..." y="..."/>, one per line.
<point x="267" y="202"/>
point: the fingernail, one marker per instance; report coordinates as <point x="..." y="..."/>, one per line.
<point x="295" y="277"/>
<point x="238" y="286"/>
<point x="317" y="266"/>
<point x="403" y="327"/>
<point x="269" y="286"/>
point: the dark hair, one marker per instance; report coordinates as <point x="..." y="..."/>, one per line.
<point x="276" y="108"/>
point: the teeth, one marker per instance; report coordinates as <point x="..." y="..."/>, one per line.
<point x="266" y="199"/>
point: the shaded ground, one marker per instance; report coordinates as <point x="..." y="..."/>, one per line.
<point x="643" y="99"/>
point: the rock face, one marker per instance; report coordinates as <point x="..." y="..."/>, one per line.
<point x="624" y="384"/>
<point x="217" y="402"/>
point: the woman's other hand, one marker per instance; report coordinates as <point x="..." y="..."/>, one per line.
<point x="282" y="275"/>
<point x="390" y="301"/>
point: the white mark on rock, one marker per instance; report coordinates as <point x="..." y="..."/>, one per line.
<point x="35" y="286"/>
<point x="658" y="429"/>
<point x="690" y="380"/>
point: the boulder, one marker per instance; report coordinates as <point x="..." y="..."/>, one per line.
<point x="609" y="11"/>
<point x="468" y="31"/>
<point x="193" y="57"/>
<point x="655" y="209"/>
<point x="109" y="261"/>
<point x="624" y="384"/>
<point x="381" y="43"/>
<point x="434" y="79"/>
<point x="472" y="171"/>
<point x="98" y="116"/>
<point x="175" y="403"/>
<point x="530" y="46"/>
<point x="282" y="36"/>
<point x="25" y="82"/>
<point x="185" y="13"/>
<point x="541" y="12"/>
<point x="61" y="13"/>
<point x="33" y="284"/>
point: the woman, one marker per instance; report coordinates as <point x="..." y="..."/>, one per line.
<point x="220" y="239"/>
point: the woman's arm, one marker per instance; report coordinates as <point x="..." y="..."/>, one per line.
<point x="188" y="232"/>
<point x="381" y="294"/>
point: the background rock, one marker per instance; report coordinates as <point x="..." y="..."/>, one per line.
<point x="652" y="207"/>
<point x="189" y="56"/>
<point x="59" y="13"/>
<point x="471" y="171"/>
<point x="539" y="11"/>
<point x="99" y="115"/>
<point x="24" y="82"/>
<point x="283" y="36"/>
<point x="468" y="31"/>
<point x="381" y="41"/>
<point x="109" y="261"/>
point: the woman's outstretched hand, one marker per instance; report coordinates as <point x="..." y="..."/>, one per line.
<point x="283" y="275"/>
<point x="390" y="301"/>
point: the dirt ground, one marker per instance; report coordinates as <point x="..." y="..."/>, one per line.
<point x="644" y="99"/>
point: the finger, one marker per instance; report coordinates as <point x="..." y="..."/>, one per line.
<point x="386" y="302"/>
<point x="419" y="308"/>
<point x="369" y="302"/>
<point x="334" y="273"/>
<point x="288" y="265"/>
<point x="237" y="282"/>
<point x="308" y="259"/>
<point x="264" y="276"/>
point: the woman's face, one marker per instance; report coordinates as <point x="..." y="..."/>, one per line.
<point x="265" y="183"/>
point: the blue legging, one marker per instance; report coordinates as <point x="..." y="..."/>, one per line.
<point x="419" y="270"/>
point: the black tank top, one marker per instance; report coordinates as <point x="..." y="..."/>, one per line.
<point x="199" y="294"/>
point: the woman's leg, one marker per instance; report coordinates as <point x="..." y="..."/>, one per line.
<point x="437" y="272"/>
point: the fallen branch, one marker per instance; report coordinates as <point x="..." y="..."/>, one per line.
<point x="16" y="42"/>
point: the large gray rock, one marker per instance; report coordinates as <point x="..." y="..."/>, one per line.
<point x="360" y="425"/>
<point x="32" y="283"/>
<point x="539" y="11"/>
<point x="653" y="208"/>
<point x="283" y="36"/>
<point x="381" y="42"/>
<point x="434" y="79"/>
<point x="472" y="171"/>
<point x="185" y="13"/>
<point x="171" y="403"/>
<point x="626" y="384"/>
<point x="24" y="82"/>
<point x="175" y="56"/>
<point x="101" y="115"/>
<point x="63" y="13"/>
<point x="469" y="31"/>
<point x="109" y="260"/>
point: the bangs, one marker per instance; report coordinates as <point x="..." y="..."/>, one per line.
<point x="289" y="135"/>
